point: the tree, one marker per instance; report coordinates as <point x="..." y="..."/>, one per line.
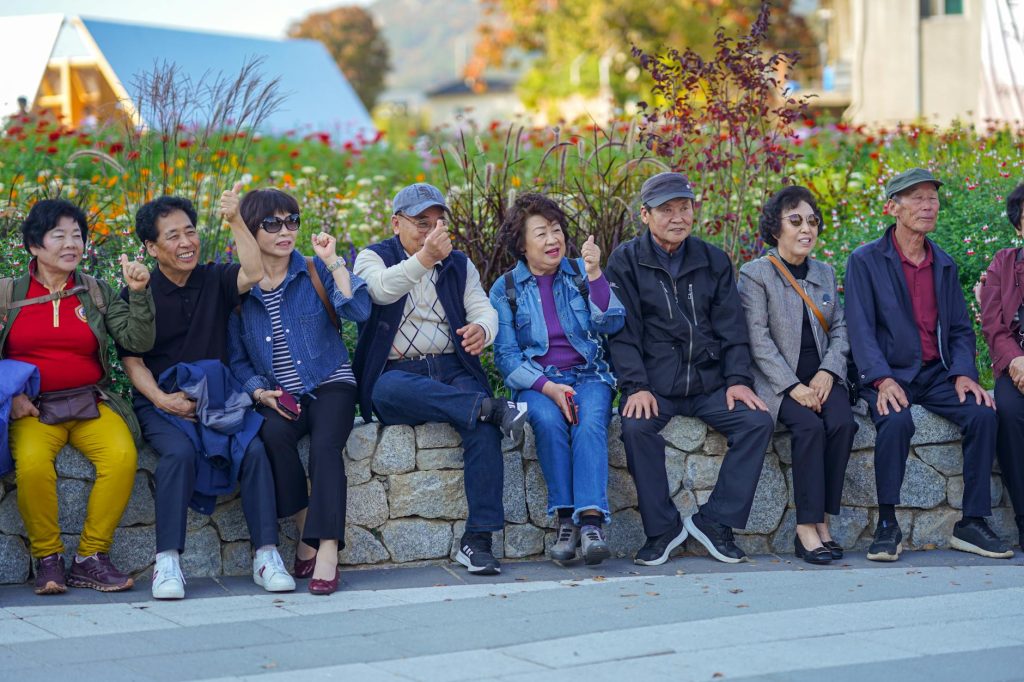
<point x="571" y="39"/>
<point x="352" y="38"/>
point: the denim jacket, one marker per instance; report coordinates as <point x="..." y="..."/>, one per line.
<point x="315" y="345"/>
<point x="519" y="344"/>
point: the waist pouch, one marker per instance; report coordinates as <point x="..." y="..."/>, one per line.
<point x="57" y="407"/>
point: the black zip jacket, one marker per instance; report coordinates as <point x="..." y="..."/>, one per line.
<point x="682" y="337"/>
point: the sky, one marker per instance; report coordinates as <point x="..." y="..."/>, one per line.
<point x="267" y="18"/>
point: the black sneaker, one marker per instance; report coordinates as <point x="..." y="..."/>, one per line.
<point x="508" y="416"/>
<point x="595" y="547"/>
<point x="475" y="554"/>
<point x="717" y="538"/>
<point x="656" y="550"/>
<point x="888" y="542"/>
<point x="974" y="535"/>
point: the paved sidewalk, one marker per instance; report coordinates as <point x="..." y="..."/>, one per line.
<point x="937" y="615"/>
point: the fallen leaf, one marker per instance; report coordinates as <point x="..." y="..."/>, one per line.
<point x="599" y="578"/>
<point x="717" y="675"/>
<point x="269" y="666"/>
<point x="653" y="594"/>
<point x="735" y="590"/>
<point x="627" y="595"/>
<point x="743" y="606"/>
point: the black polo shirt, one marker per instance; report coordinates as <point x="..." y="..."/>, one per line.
<point x="191" y="320"/>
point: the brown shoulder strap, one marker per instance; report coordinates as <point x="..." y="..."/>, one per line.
<point x="314" y="276"/>
<point x="800" y="290"/>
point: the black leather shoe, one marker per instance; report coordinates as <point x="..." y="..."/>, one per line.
<point x="835" y="548"/>
<point x="818" y="555"/>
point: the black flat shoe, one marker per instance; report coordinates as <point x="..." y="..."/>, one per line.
<point x="835" y="548"/>
<point x="818" y="555"/>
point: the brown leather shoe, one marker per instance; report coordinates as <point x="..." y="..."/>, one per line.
<point x="98" y="573"/>
<point x="303" y="567"/>
<point x="321" y="587"/>
<point x="50" y="575"/>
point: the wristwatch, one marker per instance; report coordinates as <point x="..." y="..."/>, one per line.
<point x="340" y="263"/>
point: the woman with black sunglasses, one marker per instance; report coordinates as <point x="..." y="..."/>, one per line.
<point x="287" y="350"/>
<point x="799" y="346"/>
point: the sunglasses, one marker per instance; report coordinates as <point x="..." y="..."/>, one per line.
<point x="273" y="224"/>
<point x="796" y="220"/>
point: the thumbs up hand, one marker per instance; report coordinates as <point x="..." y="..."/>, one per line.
<point x="591" y="253"/>
<point x="135" y="274"/>
<point x="229" y="202"/>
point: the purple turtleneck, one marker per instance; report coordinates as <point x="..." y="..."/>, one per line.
<point x="561" y="353"/>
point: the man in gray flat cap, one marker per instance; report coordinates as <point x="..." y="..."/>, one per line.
<point x="684" y="350"/>
<point x="913" y="342"/>
<point x="418" y="355"/>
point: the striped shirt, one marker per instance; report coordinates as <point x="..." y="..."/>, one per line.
<point x="284" y="365"/>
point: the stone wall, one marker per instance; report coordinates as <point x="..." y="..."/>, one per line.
<point x="406" y="501"/>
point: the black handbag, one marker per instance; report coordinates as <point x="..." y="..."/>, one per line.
<point x="57" y="407"/>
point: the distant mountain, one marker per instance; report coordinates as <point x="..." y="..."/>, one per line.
<point x="430" y="40"/>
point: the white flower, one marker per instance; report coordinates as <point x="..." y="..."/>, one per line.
<point x="308" y="170"/>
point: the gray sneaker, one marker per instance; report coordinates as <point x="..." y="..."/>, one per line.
<point x="595" y="547"/>
<point x="568" y="539"/>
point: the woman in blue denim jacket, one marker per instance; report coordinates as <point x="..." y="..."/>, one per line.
<point x="287" y="351"/>
<point x="550" y="351"/>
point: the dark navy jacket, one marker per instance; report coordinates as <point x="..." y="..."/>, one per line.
<point x="378" y="332"/>
<point x="223" y="429"/>
<point x="880" y="319"/>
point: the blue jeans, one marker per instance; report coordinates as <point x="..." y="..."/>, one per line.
<point x="574" y="459"/>
<point x="440" y="389"/>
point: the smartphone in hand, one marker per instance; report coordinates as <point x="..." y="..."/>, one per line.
<point x="573" y="413"/>
<point x="286" y="401"/>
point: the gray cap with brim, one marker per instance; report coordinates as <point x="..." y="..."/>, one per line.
<point x="664" y="187"/>
<point x="417" y="198"/>
<point x="907" y="179"/>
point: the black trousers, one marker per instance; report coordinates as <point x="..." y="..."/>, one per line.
<point x="748" y="433"/>
<point x="176" y="480"/>
<point x="1010" y="439"/>
<point x="934" y="391"/>
<point x="326" y="416"/>
<point x="820" y="443"/>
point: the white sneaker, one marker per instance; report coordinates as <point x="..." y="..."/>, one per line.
<point x="268" y="572"/>
<point x="168" y="582"/>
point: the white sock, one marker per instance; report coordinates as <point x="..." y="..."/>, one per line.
<point x="262" y="551"/>
<point x="79" y="558"/>
<point x="171" y="554"/>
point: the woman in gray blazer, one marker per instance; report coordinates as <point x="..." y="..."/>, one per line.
<point x="800" y="362"/>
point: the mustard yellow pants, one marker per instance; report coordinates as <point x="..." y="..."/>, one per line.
<point x="107" y="443"/>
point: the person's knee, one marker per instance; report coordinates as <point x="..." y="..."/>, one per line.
<point x="811" y="428"/>
<point x="757" y="424"/>
<point x="981" y="419"/>
<point x="634" y="427"/>
<point x="896" y="423"/>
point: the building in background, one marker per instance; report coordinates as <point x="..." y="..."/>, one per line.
<point x="82" y="70"/>
<point x="931" y="60"/>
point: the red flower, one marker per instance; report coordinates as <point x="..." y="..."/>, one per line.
<point x="293" y="153"/>
<point x="54" y="135"/>
<point x="51" y="150"/>
<point x="116" y="148"/>
<point x="185" y="144"/>
<point x="133" y="154"/>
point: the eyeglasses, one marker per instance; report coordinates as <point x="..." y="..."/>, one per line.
<point x="273" y="224"/>
<point x="796" y="220"/>
<point x="424" y="223"/>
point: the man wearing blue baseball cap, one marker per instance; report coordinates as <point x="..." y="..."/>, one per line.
<point x="913" y="342"/>
<point x="417" y="358"/>
<point x="684" y="350"/>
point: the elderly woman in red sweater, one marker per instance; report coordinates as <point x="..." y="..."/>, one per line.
<point x="1002" y="315"/>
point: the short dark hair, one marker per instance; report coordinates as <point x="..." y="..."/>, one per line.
<point x="263" y="203"/>
<point x="161" y="207"/>
<point x="510" y="235"/>
<point x="1013" y="206"/>
<point x="44" y="217"/>
<point x="783" y="200"/>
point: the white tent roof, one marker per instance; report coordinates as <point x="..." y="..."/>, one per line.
<point x="24" y="52"/>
